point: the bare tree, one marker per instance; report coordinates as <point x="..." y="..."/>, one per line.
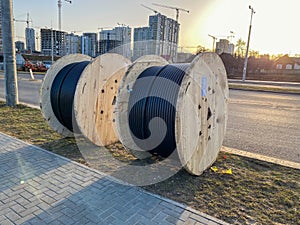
<point x="240" y="47"/>
<point x="201" y="49"/>
<point x="254" y="53"/>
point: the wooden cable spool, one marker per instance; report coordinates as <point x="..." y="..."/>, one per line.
<point x="126" y="85"/>
<point x="201" y="109"/>
<point x="45" y="92"/>
<point x="94" y="96"/>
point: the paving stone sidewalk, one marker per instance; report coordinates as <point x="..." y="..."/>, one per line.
<point x="39" y="187"/>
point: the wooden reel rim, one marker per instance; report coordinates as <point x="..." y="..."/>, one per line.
<point x="201" y="113"/>
<point x="45" y="91"/>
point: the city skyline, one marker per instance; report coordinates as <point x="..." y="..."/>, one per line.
<point x="273" y="29"/>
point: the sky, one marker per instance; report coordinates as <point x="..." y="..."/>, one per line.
<point x="275" y="27"/>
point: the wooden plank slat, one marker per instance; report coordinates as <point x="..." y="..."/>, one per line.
<point x="95" y="98"/>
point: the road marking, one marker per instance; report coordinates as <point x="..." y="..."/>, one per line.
<point x="281" y="162"/>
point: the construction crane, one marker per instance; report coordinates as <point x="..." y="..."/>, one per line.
<point x="75" y="31"/>
<point x="122" y="25"/>
<point x="228" y="37"/>
<point x="214" y="41"/>
<point x="104" y="28"/>
<point x="186" y="47"/>
<point x="171" y="7"/>
<point x="59" y="3"/>
<point x="155" y="11"/>
<point x="26" y="21"/>
<point x="215" y="38"/>
<point x="231" y="36"/>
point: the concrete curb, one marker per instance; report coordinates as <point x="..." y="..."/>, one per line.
<point x="26" y="72"/>
<point x="22" y="103"/>
<point x="266" y="88"/>
<point x="281" y="162"/>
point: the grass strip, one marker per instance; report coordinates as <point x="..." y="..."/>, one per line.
<point x="256" y="192"/>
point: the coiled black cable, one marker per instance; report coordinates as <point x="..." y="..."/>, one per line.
<point x="155" y="94"/>
<point x="62" y="93"/>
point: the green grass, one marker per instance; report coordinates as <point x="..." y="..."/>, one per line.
<point x="257" y="192"/>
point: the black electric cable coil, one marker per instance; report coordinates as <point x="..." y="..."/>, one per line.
<point x="155" y="94"/>
<point x="62" y="93"/>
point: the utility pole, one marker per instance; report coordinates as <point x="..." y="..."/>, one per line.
<point x="52" y="46"/>
<point x="10" y="69"/>
<point x="248" y="42"/>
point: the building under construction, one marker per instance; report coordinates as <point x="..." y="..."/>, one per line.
<point x="53" y="40"/>
<point x="30" y="39"/>
<point x="117" y="40"/>
<point x="1" y="43"/>
<point x="159" y="38"/>
<point x="89" y="44"/>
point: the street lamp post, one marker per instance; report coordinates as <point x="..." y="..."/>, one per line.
<point x="248" y="42"/>
<point x="52" y="46"/>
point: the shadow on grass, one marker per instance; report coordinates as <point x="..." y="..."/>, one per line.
<point x="66" y="147"/>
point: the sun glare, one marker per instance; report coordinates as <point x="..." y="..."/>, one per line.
<point x="274" y="28"/>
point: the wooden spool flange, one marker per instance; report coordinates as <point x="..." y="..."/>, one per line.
<point x="95" y="98"/>
<point x="45" y="91"/>
<point x="201" y="113"/>
<point x="201" y="110"/>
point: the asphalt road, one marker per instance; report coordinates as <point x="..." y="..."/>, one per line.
<point x="264" y="123"/>
<point x="259" y="122"/>
<point x="28" y="90"/>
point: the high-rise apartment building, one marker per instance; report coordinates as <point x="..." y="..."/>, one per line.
<point x="92" y="47"/>
<point x="85" y="45"/>
<point x="117" y="40"/>
<point x="1" y="43"/>
<point x="30" y="39"/>
<point x="171" y="39"/>
<point x="157" y="25"/>
<point x="108" y="41"/>
<point x="20" y="46"/>
<point x="73" y="44"/>
<point x="141" y="42"/>
<point x="160" y="38"/>
<point x="123" y="34"/>
<point x="53" y="39"/>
